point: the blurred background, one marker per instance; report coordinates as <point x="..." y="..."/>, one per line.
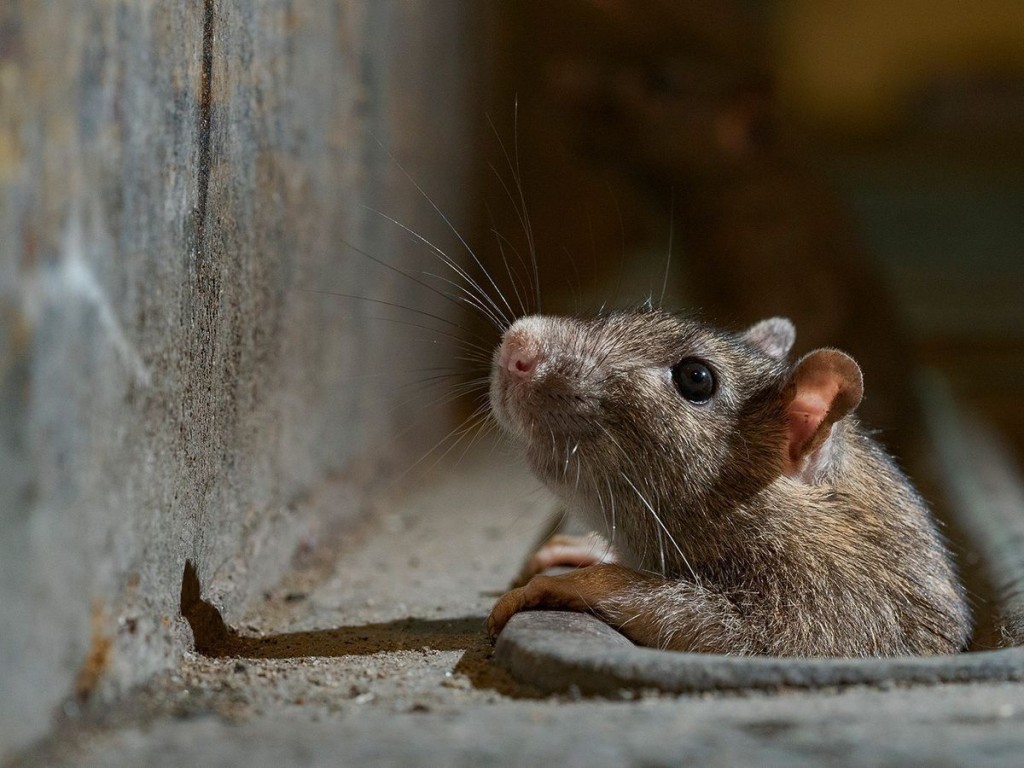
<point x="857" y="167"/>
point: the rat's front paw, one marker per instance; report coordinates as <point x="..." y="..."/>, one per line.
<point x="535" y="594"/>
<point x="581" y="590"/>
<point x="507" y="606"/>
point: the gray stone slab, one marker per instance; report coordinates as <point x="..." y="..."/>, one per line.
<point x="950" y="727"/>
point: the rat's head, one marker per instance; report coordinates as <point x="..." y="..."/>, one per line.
<point x="682" y="413"/>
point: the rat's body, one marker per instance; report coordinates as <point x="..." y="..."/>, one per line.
<point x="746" y="510"/>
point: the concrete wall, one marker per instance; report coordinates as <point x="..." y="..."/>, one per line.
<point x="173" y="176"/>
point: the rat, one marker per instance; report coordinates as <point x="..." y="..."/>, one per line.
<point x="738" y="505"/>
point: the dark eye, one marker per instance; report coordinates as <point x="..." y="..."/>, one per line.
<point x="694" y="380"/>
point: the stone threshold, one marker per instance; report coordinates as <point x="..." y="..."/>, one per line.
<point x="559" y="652"/>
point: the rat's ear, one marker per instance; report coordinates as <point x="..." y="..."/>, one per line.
<point x="825" y="386"/>
<point x="774" y="336"/>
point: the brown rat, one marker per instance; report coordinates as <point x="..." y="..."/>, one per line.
<point x="747" y="511"/>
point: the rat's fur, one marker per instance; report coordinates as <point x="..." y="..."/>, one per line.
<point x="724" y="542"/>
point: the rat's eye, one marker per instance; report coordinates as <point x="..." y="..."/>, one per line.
<point x="694" y="380"/>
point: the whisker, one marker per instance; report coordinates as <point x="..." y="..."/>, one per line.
<point x="459" y="340"/>
<point x="513" y="278"/>
<point x="661" y="553"/>
<point x="394" y="306"/>
<point x="401" y="272"/>
<point x="519" y="215"/>
<point x="451" y="264"/>
<point x="440" y="213"/>
<point x="459" y="430"/>
<point x="449" y="396"/>
<point x="577" y="283"/>
<point x="482" y="426"/>
<point x="521" y="210"/>
<point x="470" y="298"/>
<point x="440" y="377"/>
<point x="657" y="519"/>
<point x="611" y="497"/>
<point x="671" y="233"/>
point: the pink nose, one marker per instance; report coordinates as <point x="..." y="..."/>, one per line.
<point x="518" y="357"/>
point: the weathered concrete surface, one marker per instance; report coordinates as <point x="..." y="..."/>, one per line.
<point x="957" y="726"/>
<point x="379" y="658"/>
<point x="172" y="177"/>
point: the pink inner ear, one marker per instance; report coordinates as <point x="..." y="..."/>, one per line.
<point x="805" y="415"/>
<point x="814" y="397"/>
<point x="827" y="385"/>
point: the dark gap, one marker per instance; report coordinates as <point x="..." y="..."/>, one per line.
<point x="209" y="632"/>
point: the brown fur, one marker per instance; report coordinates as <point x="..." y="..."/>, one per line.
<point x="727" y="538"/>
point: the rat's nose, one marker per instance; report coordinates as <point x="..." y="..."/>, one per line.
<point x="519" y="355"/>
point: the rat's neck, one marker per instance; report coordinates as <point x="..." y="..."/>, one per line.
<point x="677" y="541"/>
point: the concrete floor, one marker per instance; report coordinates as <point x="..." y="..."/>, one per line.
<point x="377" y="656"/>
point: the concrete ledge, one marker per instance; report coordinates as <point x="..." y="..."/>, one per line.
<point x="559" y="652"/>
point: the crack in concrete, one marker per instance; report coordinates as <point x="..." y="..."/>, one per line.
<point x="204" y="124"/>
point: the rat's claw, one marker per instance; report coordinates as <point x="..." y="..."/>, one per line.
<point x="507" y="606"/>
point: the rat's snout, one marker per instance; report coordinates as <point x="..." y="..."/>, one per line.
<point x="536" y="383"/>
<point x="520" y="354"/>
